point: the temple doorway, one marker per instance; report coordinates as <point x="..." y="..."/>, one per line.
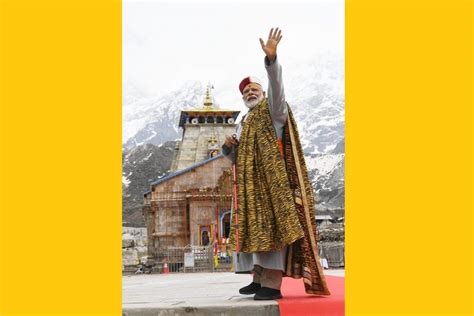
<point x="225" y="225"/>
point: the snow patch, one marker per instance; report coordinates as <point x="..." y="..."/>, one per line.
<point x="148" y="156"/>
<point x="125" y="181"/>
<point x="324" y="164"/>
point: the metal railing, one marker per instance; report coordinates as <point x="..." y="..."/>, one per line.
<point x="190" y="259"/>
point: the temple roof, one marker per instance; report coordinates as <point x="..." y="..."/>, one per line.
<point x="209" y="108"/>
<point x="183" y="171"/>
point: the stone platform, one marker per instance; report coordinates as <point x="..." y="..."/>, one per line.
<point x="193" y="294"/>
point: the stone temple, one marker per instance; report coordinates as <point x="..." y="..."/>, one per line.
<point x="191" y="205"/>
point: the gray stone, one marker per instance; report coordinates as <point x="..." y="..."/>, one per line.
<point x="128" y="243"/>
<point x="194" y="294"/>
<point x="129" y="256"/>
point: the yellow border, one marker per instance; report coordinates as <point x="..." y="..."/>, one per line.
<point x="60" y="149"/>
<point x="409" y="232"/>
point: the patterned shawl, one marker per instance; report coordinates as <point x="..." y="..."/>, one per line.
<point x="267" y="211"/>
<point x="302" y="257"/>
<point x="276" y="204"/>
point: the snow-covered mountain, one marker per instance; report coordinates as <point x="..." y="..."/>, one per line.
<point x="141" y="166"/>
<point x="326" y="172"/>
<point x="154" y="119"/>
<point x="315" y="91"/>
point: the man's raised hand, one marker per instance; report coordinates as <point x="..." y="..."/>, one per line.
<point x="270" y="47"/>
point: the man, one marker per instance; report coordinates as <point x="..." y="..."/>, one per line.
<point x="276" y="231"/>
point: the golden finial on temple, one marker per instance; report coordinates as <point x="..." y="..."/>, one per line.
<point x="208" y="104"/>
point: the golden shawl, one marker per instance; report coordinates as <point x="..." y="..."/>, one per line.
<point x="275" y="198"/>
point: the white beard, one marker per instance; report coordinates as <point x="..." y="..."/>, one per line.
<point x="251" y="104"/>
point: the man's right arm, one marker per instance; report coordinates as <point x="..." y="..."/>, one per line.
<point x="276" y="94"/>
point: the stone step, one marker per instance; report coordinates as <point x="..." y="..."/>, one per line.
<point x="268" y="309"/>
<point x="191" y="294"/>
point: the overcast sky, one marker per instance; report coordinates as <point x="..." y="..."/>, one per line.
<point x="168" y="43"/>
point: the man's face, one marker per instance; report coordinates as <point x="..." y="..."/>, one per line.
<point x="252" y="94"/>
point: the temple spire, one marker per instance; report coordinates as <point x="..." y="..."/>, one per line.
<point x="208" y="104"/>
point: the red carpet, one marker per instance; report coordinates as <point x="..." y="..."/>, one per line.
<point x="296" y="302"/>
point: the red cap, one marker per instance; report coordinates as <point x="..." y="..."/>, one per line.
<point x="246" y="81"/>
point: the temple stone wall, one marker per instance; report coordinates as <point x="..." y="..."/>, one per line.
<point x="169" y="202"/>
<point x="194" y="145"/>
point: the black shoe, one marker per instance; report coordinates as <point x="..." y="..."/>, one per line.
<point x="252" y="288"/>
<point x="266" y="293"/>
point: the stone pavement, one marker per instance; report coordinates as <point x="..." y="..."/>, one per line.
<point x="193" y="294"/>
